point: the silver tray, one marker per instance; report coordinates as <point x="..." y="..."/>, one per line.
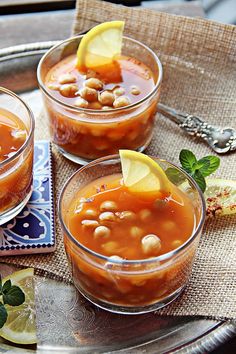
<point x="66" y="322"/>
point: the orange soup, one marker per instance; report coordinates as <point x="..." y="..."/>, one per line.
<point x="13" y="134"/>
<point x="107" y="219"/>
<point x="127" y="79"/>
<point x="96" y="112"/>
<point x="15" y="175"/>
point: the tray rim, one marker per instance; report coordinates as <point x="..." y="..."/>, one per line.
<point x="223" y="330"/>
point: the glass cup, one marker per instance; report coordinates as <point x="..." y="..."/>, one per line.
<point x="16" y="172"/>
<point x="83" y="135"/>
<point x="135" y="286"/>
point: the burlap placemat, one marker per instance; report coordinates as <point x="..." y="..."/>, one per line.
<point x="199" y="59"/>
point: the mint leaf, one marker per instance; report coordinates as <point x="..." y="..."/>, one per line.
<point x="199" y="178"/>
<point x="208" y="164"/>
<point x="14" y="296"/>
<point x="3" y="315"/>
<point x="188" y="160"/>
<point x="174" y="175"/>
<point x="6" y="286"/>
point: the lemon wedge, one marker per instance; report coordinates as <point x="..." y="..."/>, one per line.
<point x="220" y="196"/>
<point x="142" y="175"/>
<point x="20" y="326"/>
<point x="100" y="45"/>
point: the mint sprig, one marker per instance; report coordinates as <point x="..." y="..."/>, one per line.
<point x="11" y="295"/>
<point x="198" y="169"/>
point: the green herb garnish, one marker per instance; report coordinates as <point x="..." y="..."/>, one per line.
<point x="198" y="169"/>
<point x="11" y="295"/>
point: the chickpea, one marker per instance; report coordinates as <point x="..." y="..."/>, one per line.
<point x="89" y="94"/>
<point x="95" y="105"/>
<point x="151" y="243"/>
<point x="133" y="135"/>
<point x="94" y="83"/>
<point x="106" y="108"/>
<point x="115" y="136"/>
<point x="68" y="90"/>
<point x="81" y="103"/>
<point x="138" y="281"/>
<point x="90" y="213"/>
<point x="102" y="231"/>
<point x="19" y="134"/>
<point x="66" y="79"/>
<point x="119" y="91"/>
<point x="124" y="287"/>
<point x="108" y="205"/>
<point x="135" y="90"/>
<point x="110" y="247"/>
<point x="169" y="226"/>
<point x="106" y="98"/>
<point x="176" y="243"/>
<point x="54" y="87"/>
<point x="89" y="223"/>
<point x="97" y="132"/>
<point x="145" y="214"/>
<point x="107" y="216"/>
<point x="101" y="144"/>
<point x="121" y="101"/>
<point x="136" y="231"/>
<point x="127" y="215"/>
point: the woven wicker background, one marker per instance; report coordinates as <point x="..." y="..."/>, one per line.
<point x="199" y="59"/>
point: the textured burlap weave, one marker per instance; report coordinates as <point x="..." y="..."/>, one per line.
<point x="199" y="60"/>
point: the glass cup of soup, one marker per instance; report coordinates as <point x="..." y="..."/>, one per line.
<point x="129" y="255"/>
<point x="95" y="113"/>
<point x="16" y="154"/>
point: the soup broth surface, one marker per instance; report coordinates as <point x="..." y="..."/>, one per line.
<point x="13" y="134"/>
<point x="106" y="218"/>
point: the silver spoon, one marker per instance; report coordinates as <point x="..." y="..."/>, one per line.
<point x="221" y="140"/>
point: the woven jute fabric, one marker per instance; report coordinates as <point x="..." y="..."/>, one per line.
<point x="199" y="60"/>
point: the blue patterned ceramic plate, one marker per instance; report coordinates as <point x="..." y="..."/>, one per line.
<point x="32" y="231"/>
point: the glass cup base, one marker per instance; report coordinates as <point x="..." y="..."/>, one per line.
<point x="131" y="310"/>
<point x="83" y="161"/>
<point x="10" y="214"/>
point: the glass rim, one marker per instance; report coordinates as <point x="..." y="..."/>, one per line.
<point x="32" y="125"/>
<point x="164" y="257"/>
<point x="98" y="111"/>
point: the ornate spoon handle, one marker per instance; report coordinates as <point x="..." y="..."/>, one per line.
<point x="221" y="140"/>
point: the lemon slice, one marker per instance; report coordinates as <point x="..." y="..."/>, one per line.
<point x="100" y="45"/>
<point x="20" y="327"/>
<point x="143" y="175"/>
<point x="220" y="196"/>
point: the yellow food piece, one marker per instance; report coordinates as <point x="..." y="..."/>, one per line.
<point x="220" y="196"/>
<point x="20" y="326"/>
<point x="100" y="45"/>
<point x="143" y="175"/>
